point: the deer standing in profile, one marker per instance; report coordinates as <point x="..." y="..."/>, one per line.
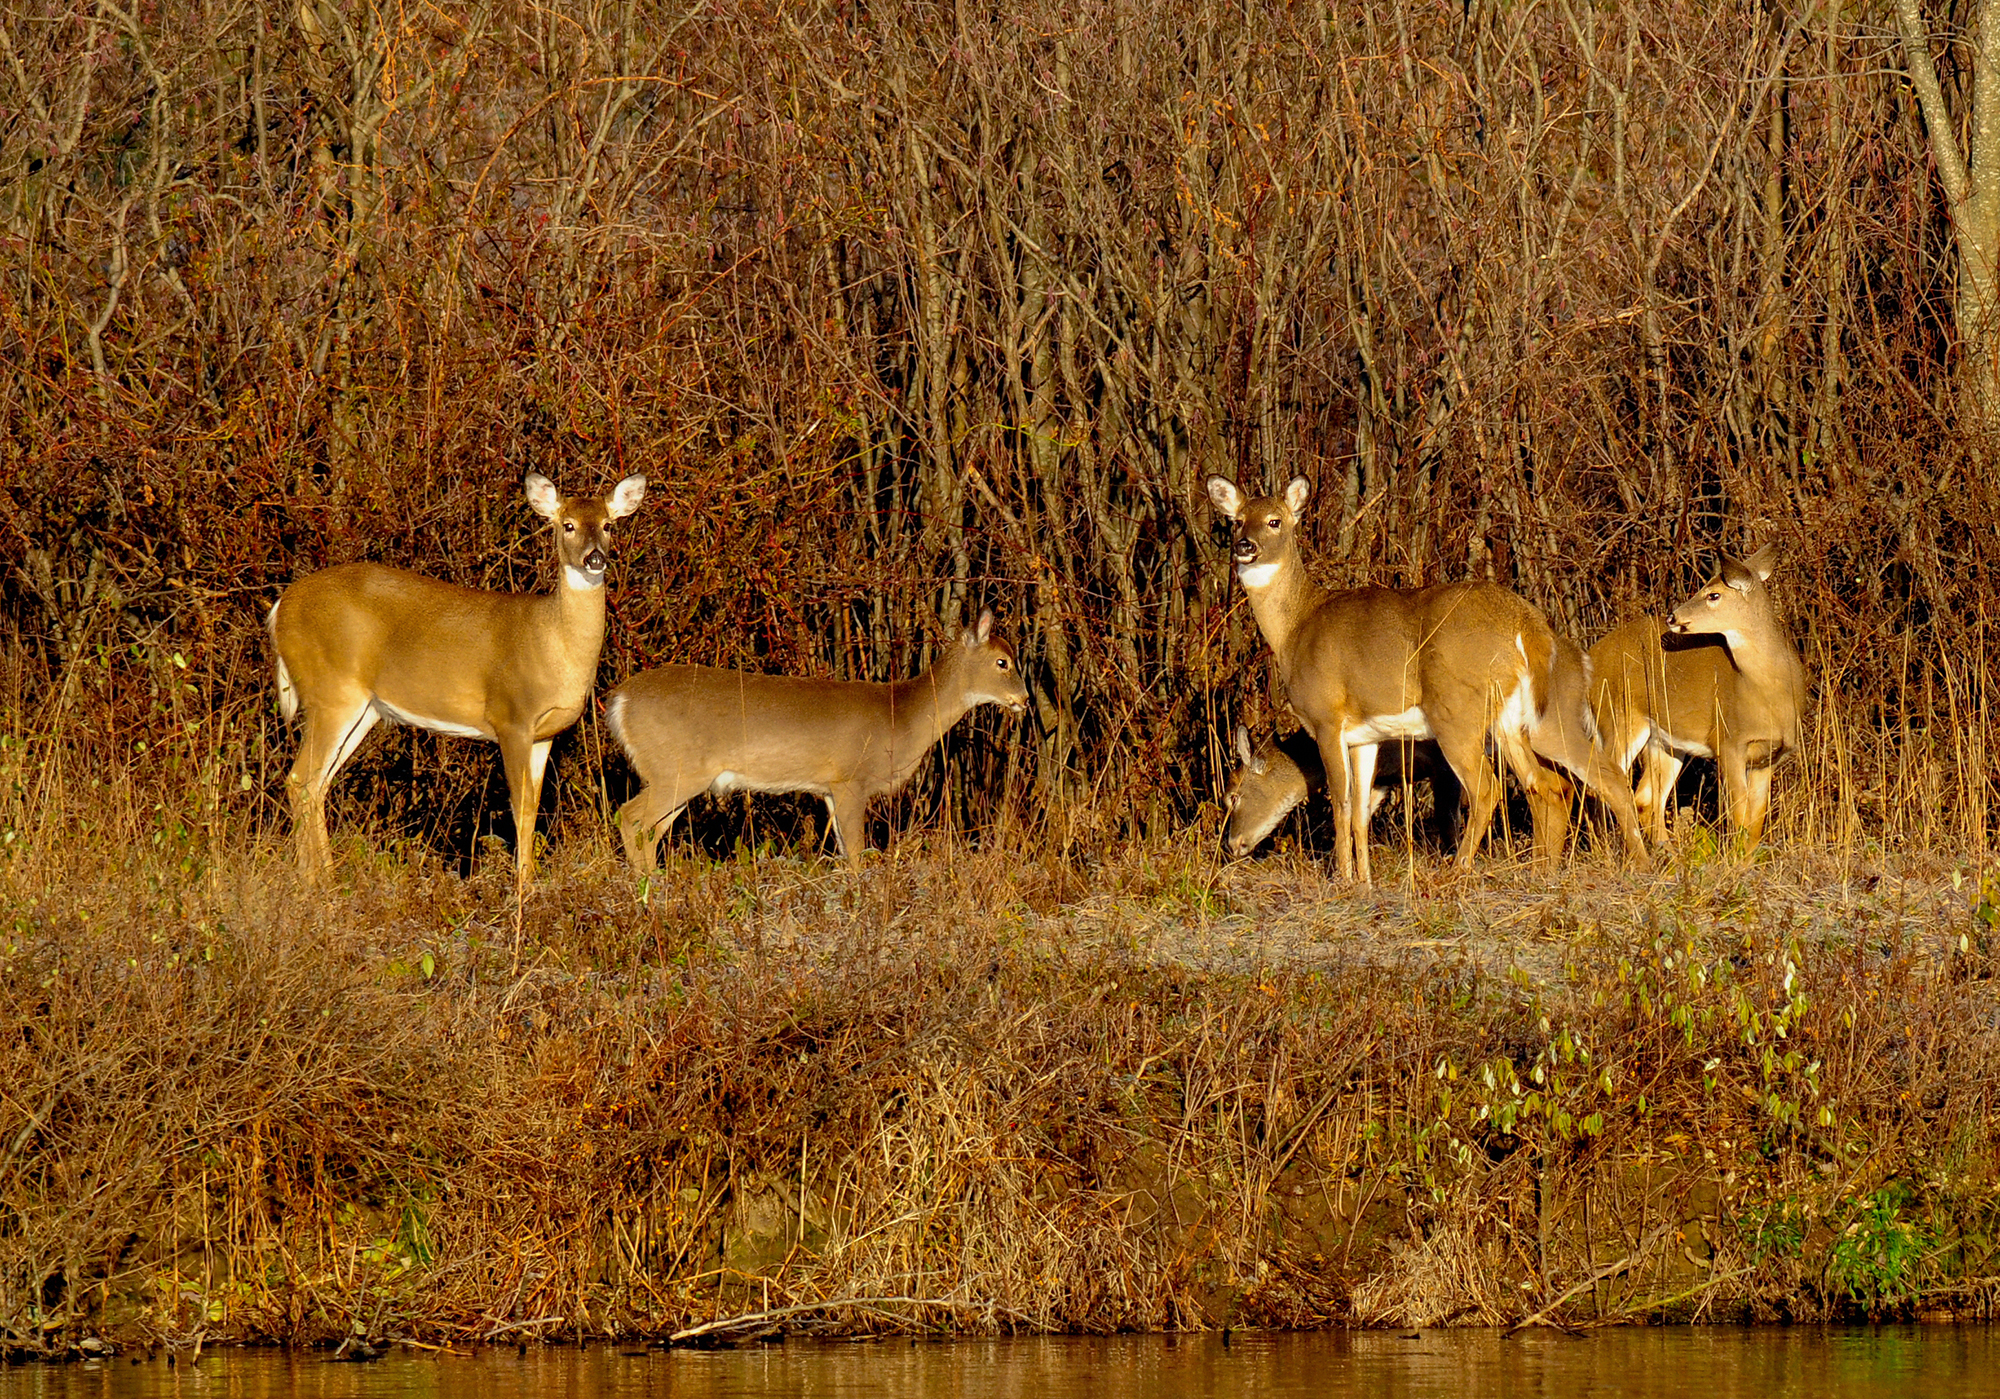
<point x="692" y="729"/>
<point x="1278" y="774"/>
<point x="362" y="642"/>
<point x="1725" y="682"/>
<point x="1461" y="663"/>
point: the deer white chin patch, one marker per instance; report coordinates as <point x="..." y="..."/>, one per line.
<point x="578" y="578"/>
<point x="1255" y="575"/>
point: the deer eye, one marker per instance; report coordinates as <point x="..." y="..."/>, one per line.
<point x="1000" y="664"/>
<point x="1272" y="523"/>
<point x="569" y="526"/>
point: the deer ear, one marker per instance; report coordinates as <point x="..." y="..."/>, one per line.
<point x="1296" y="493"/>
<point x="1763" y="563"/>
<point x="625" y="497"/>
<point x="984" y="627"/>
<point x="1738" y="574"/>
<point x="1244" y="755"/>
<point x="541" y="493"/>
<point x="1226" y="497"/>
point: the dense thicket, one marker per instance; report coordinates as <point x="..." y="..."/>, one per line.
<point x="906" y="308"/>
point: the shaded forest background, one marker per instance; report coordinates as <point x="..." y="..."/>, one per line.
<point x="906" y="309"/>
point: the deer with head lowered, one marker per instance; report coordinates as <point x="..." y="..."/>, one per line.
<point x="1280" y="773"/>
<point x="1461" y="663"/>
<point x="1724" y="682"/>
<point x="693" y="729"/>
<point x="362" y="642"/>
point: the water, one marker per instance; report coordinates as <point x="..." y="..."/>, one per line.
<point x="1707" y="1363"/>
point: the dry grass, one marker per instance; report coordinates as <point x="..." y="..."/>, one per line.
<point x="977" y="1089"/>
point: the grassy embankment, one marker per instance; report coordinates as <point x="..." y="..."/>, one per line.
<point x="978" y="1089"/>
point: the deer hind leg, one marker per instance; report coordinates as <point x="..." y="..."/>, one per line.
<point x="1465" y="754"/>
<point x="333" y="732"/>
<point x="1567" y="743"/>
<point x="1610" y="784"/>
<point x="1548" y="792"/>
<point x="525" y="761"/>
<point x="1613" y="787"/>
<point x="1659" y="773"/>
<point x="1447" y="801"/>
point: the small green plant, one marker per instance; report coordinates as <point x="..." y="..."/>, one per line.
<point x="1875" y="1260"/>
<point x="1774" y="1230"/>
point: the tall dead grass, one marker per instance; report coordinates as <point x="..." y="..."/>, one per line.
<point x="976" y="1090"/>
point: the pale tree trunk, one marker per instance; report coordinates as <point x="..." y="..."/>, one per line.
<point x="1972" y="189"/>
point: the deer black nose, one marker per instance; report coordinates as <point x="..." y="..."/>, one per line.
<point x="594" y="561"/>
<point x="1246" y="549"/>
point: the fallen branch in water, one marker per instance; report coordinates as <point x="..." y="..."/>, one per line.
<point x="748" y="1319"/>
<point x="1658" y="1303"/>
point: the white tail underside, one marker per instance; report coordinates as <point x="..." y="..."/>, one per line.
<point x="1517" y="711"/>
<point x="288" y="693"/>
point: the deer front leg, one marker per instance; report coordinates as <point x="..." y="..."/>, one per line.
<point x="1758" y="805"/>
<point x="642" y="823"/>
<point x="1360" y="788"/>
<point x="847" y="810"/>
<point x="1747" y="790"/>
<point x="1334" y="758"/>
<point x="525" y="761"/>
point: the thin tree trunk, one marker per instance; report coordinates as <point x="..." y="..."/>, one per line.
<point x="1972" y="190"/>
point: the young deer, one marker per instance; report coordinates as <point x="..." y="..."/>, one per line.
<point x="1460" y="663"/>
<point x="693" y="729"/>
<point x="1279" y="773"/>
<point x="1724" y="683"/>
<point x="363" y="642"/>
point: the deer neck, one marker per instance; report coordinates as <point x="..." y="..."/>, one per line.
<point x="923" y="710"/>
<point x="578" y="614"/>
<point x="1280" y="599"/>
<point x="1760" y="650"/>
<point x="1762" y="653"/>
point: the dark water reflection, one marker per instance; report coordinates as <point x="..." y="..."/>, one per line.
<point x="1707" y="1363"/>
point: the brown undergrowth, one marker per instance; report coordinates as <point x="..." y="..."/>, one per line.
<point x="982" y="1089"/>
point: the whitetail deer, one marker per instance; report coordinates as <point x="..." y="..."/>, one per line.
<point x="1460" y="663"/>
<point x="693" y="729"/>
<point x="1724" y="682"/>
<point x="363" y="642"/>
<point x="1278" y="774"/>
